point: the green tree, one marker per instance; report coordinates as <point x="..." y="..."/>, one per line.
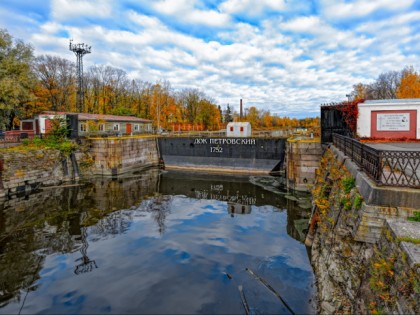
<point x="16" y="79"/>
<point x="227" y="116"/>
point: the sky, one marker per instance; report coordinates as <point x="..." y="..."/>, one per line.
<point x="285" y="56"/>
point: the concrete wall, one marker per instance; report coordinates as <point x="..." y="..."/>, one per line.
<point x="364" y="120"/>
<point x="113" y="156"/>
<point x="246" y="155"/>
<point x="302" y="160"/>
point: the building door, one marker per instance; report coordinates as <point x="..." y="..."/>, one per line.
<point x="128" y="128"/>
<point x="48" y="125"/>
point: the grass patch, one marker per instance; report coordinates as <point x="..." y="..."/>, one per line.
<point x="357" y="204"/>
<point x="409" y="240"/>
<point x="65" y="146"/>
<point x="416" y="217"/>
<point x="55" y="140"/>
<point x="348" y="184"/>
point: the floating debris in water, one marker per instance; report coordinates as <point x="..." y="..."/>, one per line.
<point x="268" y="286"/>
<point x="228" y="275"/>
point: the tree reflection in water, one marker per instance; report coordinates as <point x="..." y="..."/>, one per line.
<point x="65" y="220"/>
<point x="59" y="221"/>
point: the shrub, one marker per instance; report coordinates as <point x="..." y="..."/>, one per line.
<point x="348" y="184"/>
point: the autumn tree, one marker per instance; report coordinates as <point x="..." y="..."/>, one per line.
<point x="189" y="100"/>
<point x="384" y="87"/>
<point x="104" y="89"/>
<point x="410" y="84"/>
<point x="16" y="79"/>
<point x="359" y="91"/>
<point x="208" y="114"/>
<point x="267" y="119"/>
<point x="159" y="103"/>
<point x="56" y="87"/>
<point x="253" y="117"/>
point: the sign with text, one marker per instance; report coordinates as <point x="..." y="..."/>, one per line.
<point x="216" y="143"/>
<point x="393" y="122"/>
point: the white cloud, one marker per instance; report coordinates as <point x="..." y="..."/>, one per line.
<point x="70" y="9"/>
<point x="251" y="7"/>
<point x="304" y="24"/>
<point x="185" y="11"/>
<point x="336" y="9"/>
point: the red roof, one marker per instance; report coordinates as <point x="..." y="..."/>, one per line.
<point x="86" y="116"/>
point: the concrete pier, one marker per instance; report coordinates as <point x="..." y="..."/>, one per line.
<point x="302" y="160"/>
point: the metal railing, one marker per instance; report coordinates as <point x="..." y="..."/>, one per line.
<point x="385" y="167"/>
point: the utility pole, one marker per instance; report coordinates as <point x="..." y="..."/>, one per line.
<point x="79" y="50"/>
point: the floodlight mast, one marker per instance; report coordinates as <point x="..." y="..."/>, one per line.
<point x="79" y="50"/>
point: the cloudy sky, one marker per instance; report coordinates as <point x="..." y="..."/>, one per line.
<point x="287" y="56"/>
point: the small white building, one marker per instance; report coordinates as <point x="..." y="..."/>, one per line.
<point x="238" y="129"/>
<point x="389" y="119"/>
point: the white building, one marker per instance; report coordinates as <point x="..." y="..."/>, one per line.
<point x="389" y="119"/>
<point x="238" y="129"/>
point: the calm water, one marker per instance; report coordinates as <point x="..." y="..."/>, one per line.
<point x="155" y="243"/>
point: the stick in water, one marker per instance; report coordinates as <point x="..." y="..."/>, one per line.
<point x="268" y="286"/>
<point x="244" y="302"/>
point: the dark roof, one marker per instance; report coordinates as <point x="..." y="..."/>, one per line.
<point x="86" y="116"/>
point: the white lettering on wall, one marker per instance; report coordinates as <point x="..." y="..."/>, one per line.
<point x="200" y="141"/>
<point x="393" y="122"/>
<point x="224" y="141"/>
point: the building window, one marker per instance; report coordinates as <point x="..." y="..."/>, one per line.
<point x="136" y="127"/>
<point x="102" y="127"/>
<point x="242" y="129"/>
<point x="231" y="129"/>
<point x="116" y="127"/>
<point x="83" y="127"/>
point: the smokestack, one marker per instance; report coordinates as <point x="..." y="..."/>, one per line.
<point x="240" y="110"/>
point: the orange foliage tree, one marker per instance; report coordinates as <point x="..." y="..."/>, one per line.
<point x="410" y="84"/>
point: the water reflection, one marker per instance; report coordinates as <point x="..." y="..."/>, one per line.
<point x="151" y="243"/>
<point x="86" y="264"/>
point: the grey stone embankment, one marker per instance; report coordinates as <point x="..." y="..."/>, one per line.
<point x="365" y="257"/>
<point x="23" y="171"/>
<point x="28" y="170"/>
<point x="118" y="155"/>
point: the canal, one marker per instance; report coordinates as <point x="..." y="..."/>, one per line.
<point x="157" y="243"/>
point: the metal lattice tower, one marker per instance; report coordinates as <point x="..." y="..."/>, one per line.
<point x="79" y="50"/>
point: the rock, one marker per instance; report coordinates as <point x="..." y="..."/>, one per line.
<point x="328" y="308"/>
<point x="327" y="293"/>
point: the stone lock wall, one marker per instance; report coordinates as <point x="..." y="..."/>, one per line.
<point x="113" y="156"/>
<point x="23" y="171"/>
<point x="302" y="157"/>
<point x="362" y="264"/>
